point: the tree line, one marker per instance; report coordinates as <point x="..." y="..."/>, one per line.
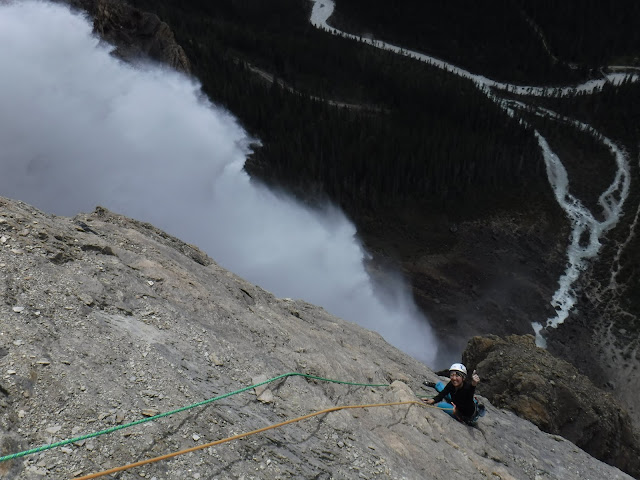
<point x="589" y="32"/>
<point x="426" y="137"/>
<point x="540" y="41"/>
<point x="430" y="136"/>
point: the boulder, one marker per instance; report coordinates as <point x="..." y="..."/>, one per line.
<point x="552" y="394"/>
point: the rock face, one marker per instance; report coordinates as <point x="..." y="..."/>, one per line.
<point x="552" y="394"/>
<point x="136" y="34"/>
<point x="107" y="320"/>
<point x="596" y="342"/>
<point x="492" y="275"/>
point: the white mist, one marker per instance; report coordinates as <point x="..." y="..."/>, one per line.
<point x="78" y="128"/>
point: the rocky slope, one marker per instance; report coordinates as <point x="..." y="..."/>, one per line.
<point x="485" y="272"/>
<point x="106" y="320"/>
<point x="137" y="35"/>
<point x="475" y="273"/>
<point x="552" y="394"/>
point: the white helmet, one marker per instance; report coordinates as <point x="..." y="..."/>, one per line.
<point x="458" y="367"/>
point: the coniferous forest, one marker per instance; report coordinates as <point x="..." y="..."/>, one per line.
<point x="410" y="151"/>
<point x="521" y="41"/>
<point x="421" y="135"/>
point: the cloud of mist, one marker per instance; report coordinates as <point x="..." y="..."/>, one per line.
<point x="78" y="128"/>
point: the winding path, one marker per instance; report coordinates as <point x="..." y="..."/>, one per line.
<point x="583" y="221"/>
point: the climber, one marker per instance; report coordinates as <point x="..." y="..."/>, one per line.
<point x="458" y="395"/>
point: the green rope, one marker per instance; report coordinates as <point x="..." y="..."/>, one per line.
<point x="166" y="414"/>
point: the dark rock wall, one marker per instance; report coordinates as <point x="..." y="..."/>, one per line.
<point x="552" y="394"/>
<point x="136" y="34"/>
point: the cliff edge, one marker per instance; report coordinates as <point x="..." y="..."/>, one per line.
<point x="107" y="321"/>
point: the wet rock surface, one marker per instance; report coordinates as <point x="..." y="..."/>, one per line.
<point x="552" y="394"/>
<point x="107" y="320"/>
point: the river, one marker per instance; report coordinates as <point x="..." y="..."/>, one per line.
<point x="584" y="223"/>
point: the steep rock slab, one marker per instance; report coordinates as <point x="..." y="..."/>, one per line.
<point x="106" y="320"/>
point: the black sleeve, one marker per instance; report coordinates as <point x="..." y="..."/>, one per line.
<point x="447" y="389"/>
<point x="464" y="400"/>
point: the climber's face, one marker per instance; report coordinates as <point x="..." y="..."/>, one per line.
<point x="456" y="378"/>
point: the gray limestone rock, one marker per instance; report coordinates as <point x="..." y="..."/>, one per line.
<point x="160" y="311"/>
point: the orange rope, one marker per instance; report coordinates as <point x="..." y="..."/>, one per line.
<point x="241" y="435"/>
